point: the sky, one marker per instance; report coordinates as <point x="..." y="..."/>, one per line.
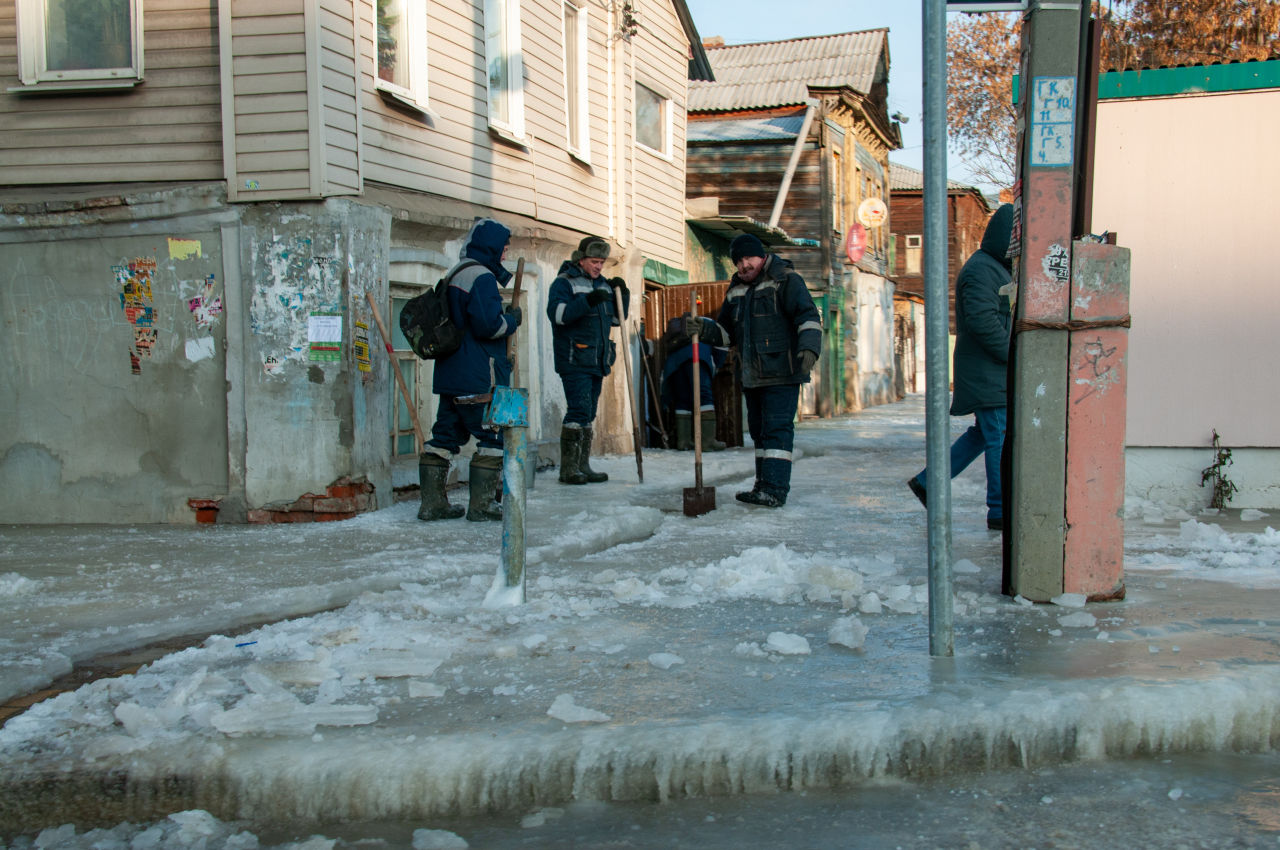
<point x="746" y="21"/>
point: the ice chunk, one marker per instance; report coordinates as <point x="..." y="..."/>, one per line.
<point x="1024" y="601"/>
<point x="563" y="708"/>
<point x="1249" y="514"/>
<point x="12" y="584"/>
<point x="964" y="565"/>
<point x="630" y="588"/>
<point x="869" y="603"/>
<point x="315" y="842"/>
<point x="902" y="606"/>
<point x="143" y="722"/>
<point x="835" y="578"/>
<point x="1078" y="620"/>
<point x="341" y="636"/>
<point x="148" y="839"/>
<point x="532" y="821"/>
<point x="1056" y="632"/>
<point x="1104" y="636"/>
<point x="534" y="640"/>
<point x="753" y="649"/>
<point x="438" y="839"/>
<point x="1175" y="794"/>
<point x="847" y="631"/>
<point x="422" y="688"/>
<point x="504" y="691"/>
<point x="1070" y="600"/>
<point x="1154" y="650"/>
<point x="605" y="577"/>
<point x="393" y="663"/>
<point x="901" y="591"/>
<point x="505" y="650"/>
<point x="614" y="648"/>
<point x="342" y="715"/>
<point x="665" y="660"/>
<point x="196" y="822"/>
<point x="53" y="837"/>
<point x="184" y="689"/>
<point x="295" y="672"/>
<point x="787" y="644"/>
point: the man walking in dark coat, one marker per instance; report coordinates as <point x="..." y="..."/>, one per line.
<point x="770" y="316"/>
<point x="580" y="306"/>
<point x="465" y="380"/>
<point x="981" y="360"/>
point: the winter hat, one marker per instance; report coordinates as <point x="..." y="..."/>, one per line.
<point x="745" y="245"/>
<point x="591" y="247"/>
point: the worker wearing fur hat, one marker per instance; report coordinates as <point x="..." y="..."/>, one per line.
<point x="580" y="306"/>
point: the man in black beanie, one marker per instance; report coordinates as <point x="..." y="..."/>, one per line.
<point x="770" y="316"/>
<point x="580" y="306"/>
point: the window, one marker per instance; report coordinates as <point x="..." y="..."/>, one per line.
<point x="505" y="69"/>
<point x="577" y="121"/>
<point x="914" y="246"/>
<point x="97" y="43"/>
<point x="400" y="32"/>
<point x="653" y="120"/>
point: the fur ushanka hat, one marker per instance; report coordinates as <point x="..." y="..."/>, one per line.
<point x="591" y="247"/>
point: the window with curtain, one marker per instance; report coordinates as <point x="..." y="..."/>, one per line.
<point x="652" y="126"/>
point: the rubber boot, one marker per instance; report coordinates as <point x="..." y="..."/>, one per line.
<point x="485" y="472"/>
<point x="684" y="432"/>
<point x="570" y="450"/>
<point x="745" y="495"/>
<point x="709" y="441"/>
<point x="433" y="474"/>
<point x="584" y="460"/>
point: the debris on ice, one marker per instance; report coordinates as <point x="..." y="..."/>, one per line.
<point x="1023" y="601"/>
<point x="563" y="708"/>
<point x="1070" y="600"/>
<point x="752" y="649"/>
<point x="340" y="636"/>
<point x="1175" y="794"/>
<point x="1078" y="620"/>
<point x="787" y="644"/>
<point x="438" y="839"/>
<point x="869" y="603"/>
<point x="847" y="631"/>
<point x="665" y="660"/>
<point x="964" y="565"/>
<point x="534" y="640"/>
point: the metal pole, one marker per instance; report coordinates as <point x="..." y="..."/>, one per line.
<point x="937" y="310"/>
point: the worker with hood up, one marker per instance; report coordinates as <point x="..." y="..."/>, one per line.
<point x="464" y="381"/>
<point x="980" y="365"/>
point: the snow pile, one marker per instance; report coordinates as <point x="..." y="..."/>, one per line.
<point x="12" y="584"/>
<point x="1208" y="550"/>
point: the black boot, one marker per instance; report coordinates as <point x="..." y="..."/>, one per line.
<point x="709" y="441"/>
<point x="570" y="451"/>
<point x="584" y="460"/>
<point x="746" y="495"/>
<point x="485" y="472"/>
<point x="433" y="474"/>
<point x="763" y="498"/>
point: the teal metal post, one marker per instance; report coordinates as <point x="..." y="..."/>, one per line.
<point x="510" y="411"/>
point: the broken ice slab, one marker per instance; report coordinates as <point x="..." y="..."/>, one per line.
<point x="295" y="672"/>
<point x="396" y="663"/>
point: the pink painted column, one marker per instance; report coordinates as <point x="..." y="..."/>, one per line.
<point x="1096" y="387"/>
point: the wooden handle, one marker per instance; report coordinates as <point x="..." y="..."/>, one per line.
<point x="697" y="399"/>
<point x="395" y="367"/>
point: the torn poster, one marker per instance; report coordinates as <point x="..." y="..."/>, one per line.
<point x="199" y="349"/>
<point x="144" y="339"/>
<point x="270" y="363"/>
<point x="134" y="279"/>
<point x="324" y="334"/>
<point x="205" y="307"/>
<point x="184" y="249"/>
<point x="360" y="345"/>
<point x="134" y="363"/>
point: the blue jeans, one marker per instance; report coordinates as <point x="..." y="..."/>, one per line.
<point x="458" y="423"/>
<point x="985" y="435"/>
<point x="582" y="392"/>
<point x="771" y="420"/>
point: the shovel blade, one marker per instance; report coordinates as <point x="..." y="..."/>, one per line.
<point x="699" y="501"/>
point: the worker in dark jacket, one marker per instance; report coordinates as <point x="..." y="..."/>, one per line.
<point x="464" y="381"/>
<point x="981" y="360"/>
<point x="580" y="306"/>
<point x="770" y="316"/>
<point x="677" y="384"/>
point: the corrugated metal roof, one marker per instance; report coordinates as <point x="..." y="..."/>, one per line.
<point x="746" y="129"/>
<point x="907" y="178"/>
<point x="732" y="226"/>
<point x="778" y="73"/>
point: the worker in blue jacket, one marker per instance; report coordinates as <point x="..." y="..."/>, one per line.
<point x="770" y="316"/>
<point x="464" y="381"/>
<point x="580" y="306"/>
<point x="677" y="383"/>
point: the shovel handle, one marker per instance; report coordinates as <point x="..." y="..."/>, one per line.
<point x="697" y="399"/>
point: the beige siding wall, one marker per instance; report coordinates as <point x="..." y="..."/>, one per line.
<point x="339" y="97"/>
<point x="165" y="129"/>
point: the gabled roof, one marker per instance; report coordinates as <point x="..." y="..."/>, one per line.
<point x="779" y="73"/>
<point x="904" y="178"/>
<point x="699" y="66"/>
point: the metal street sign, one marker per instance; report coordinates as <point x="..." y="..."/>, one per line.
<point x="986" y="6"/>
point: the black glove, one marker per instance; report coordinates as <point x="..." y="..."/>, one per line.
<point x="695" y="325"/>
<point x="598" y="296"/>
<point x="615" y="282"/>
<point x="513" y="310"/>
<point x="807" y="359"/>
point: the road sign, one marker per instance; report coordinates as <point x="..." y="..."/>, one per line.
<point x="855" y="243"/>
<point x="873" y="212"/>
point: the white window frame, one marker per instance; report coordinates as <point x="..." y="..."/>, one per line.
<point x="913" y="242"/>
<point x="33" y="67"/>
<point x="513" y="128"/>
<point x="668" y="108"/>
<point x="415" y="96"/>
<point x="582" y="150"/>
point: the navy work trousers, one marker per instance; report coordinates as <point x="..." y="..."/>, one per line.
<point x="682" y="388"/>
<point x="582" y="392"/>
<point x="458" y="423"/>
<point x="771" y="420"/>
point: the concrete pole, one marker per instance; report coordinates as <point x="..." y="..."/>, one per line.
<point x="937" y="326"/>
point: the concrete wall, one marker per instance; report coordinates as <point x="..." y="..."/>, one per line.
<point x="1173" y="475"/>
<point x="875" y="339"/>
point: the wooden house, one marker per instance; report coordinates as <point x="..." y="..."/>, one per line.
<point x="796" y="135"/>
<point x="203" y="203"/>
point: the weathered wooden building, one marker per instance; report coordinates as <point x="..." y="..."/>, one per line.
<point x="796" y="134"/>
<point x="202" y="199"/>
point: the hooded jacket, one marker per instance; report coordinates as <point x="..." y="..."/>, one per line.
<point x="771" y="320"/>
<point x="983" y="320"/>
<point x="475" y="305"/>
<point x="580" y="332"/>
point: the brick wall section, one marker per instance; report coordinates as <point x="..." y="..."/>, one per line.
<point x="966" y="220"/>
<point x="342" y="499"/>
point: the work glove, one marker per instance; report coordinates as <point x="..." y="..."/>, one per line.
<point x="807" y="359"/>
<point x="599" y="296"/>
<point x="516" y="312"/>
<point x="696" y="325"/>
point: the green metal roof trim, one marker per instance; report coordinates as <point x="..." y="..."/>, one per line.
<point x="1186" y="79"/>
<point x="664" y="274"/>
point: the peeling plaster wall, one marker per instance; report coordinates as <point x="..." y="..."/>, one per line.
<point x="1172" y="475"/>
<point x="311" y="421"/>
<point x="83" y="438"/>
<point x="875" y="339"/>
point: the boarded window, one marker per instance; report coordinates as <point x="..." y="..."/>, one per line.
<point x="651" y="119"/>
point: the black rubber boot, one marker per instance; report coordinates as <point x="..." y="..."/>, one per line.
<point x="709" y="441"/>
<point x="684" y="432"/>
<point x="433" y="474"/>
<point x="570" y="450"/>
<point x="485" y="472"/>
<point x="918" y="489"/>
<point x="745" y="495"/>
<point x="584" y="460"/>
<point x="763" y="498"/>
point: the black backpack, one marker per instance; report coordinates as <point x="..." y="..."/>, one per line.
<point x="425" y="320"/>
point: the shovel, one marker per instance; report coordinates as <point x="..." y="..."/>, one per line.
<point x="698" y="500"/>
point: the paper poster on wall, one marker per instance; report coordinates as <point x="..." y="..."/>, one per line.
<point x="184" y="249"/>
<point x="199" y="349"/>
<point x="360" y="345"/>
<point x="324" y="335"/>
